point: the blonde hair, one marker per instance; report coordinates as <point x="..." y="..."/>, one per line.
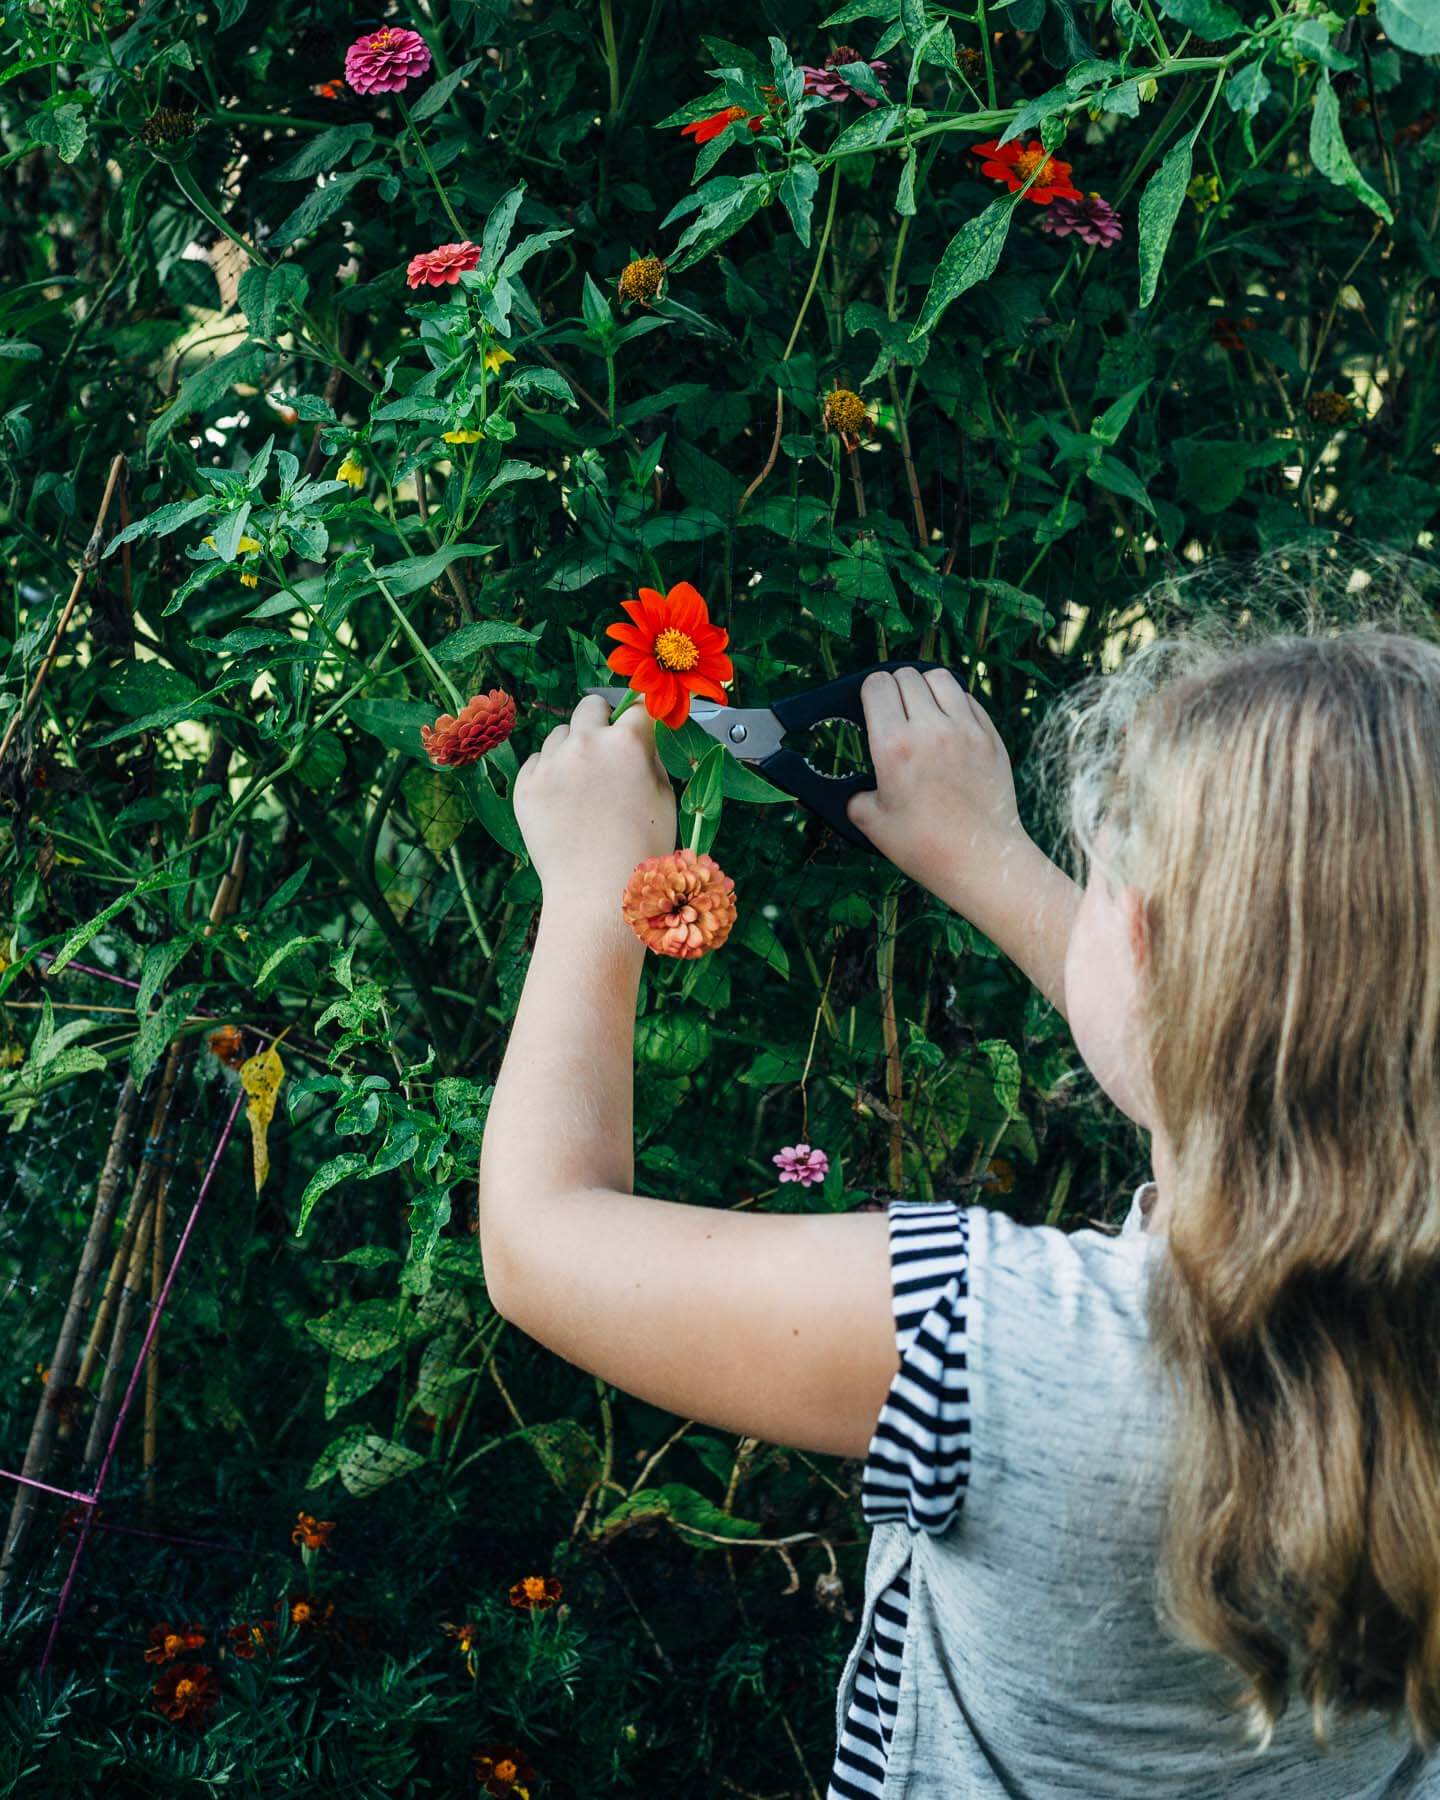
<point x="1275" y="795"/>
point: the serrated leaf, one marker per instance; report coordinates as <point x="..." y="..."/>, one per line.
<point x="328" y="1175"/>
<point x="77" y="940"/>
<point x="970" y="257"/>
<point x="263" y="292"/>
<point x="1159" y="209"/>
<point x="1331" y="155"/>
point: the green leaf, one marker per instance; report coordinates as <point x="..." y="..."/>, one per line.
<point x="395" y="722"/>
<point x="1212" y="472"/>
<point x="163" y="521"/>
<point x="435" y="97"/>
<point x="497" y="230"/>
<point x="1159" y="209"/>
<point x="276" y="958"/>
<point x="1330" y="154"/>
<point x="330" y="1174"/>
<point x="568" y="1453"/>
<point x="323" y="762"/>
<point x="155" y="1033"/>
<point x="161" y="961"/>
<point x="970" y="257"/>
<point x="1412" y="25"/>
<point x="1118" y="478"/>
<point x="798" y="187"/>
<point x="319" y="157"/>
<point x="757" y="934"/>
<point x="416" y="572"/>
<point x="429" y="1215"/>
<point x="137" y="688"/>
<point x="77" y="940"/>
<point x="680" y="1506"/>
<point x="470" y="640"/>
<point x="494" y="811"/>
<point x="263" y="292"/>
<point x="436" y="808"/>
<point x="1005" y="1073"/>
<point x="315" y="210"/>
<point x="205" y="387"/>
<point x="367" y="1256"/>
<point x="705" y="790"/>
<point x="373" y="1462"/>
<point x="330" y="1457"/>
<point x="1211" y="19"/>
<point x="866" y="132"/>
<point x="1248" y="89"/>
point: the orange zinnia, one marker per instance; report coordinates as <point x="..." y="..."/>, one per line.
<point x="1014" y="165"/>
<point x="670" y="650"/>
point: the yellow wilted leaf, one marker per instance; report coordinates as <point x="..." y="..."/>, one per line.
<point x="260" y="1076"/>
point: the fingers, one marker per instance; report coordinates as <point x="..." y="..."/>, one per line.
<point x="917" y="694"/>
<point x="950" y="697"/>
<point x="881" y="702"/>
<point x="592" y="712"/>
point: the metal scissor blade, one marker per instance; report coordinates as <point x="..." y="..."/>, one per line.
<point x="750" y="733"/>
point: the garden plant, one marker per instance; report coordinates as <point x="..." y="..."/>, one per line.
<point x="370" y="385"/>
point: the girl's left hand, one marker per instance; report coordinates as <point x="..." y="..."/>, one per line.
<point x="593" y="801"/>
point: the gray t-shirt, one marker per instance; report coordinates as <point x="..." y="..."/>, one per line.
<point x="1033" y="1665"/>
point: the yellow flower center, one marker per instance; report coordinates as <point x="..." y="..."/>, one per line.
<point x="675" y="649"/>
<point x="172" y="1644"/>
<point x="1031" y="162"/>
<point x="506" y="1770"/>
<point x="184" y="1689"/>
<point x="382" y="40"/>
<point x="299" y="1614"/>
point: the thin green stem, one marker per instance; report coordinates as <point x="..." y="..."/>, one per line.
<point x="819" y="258"/>
<point x="429" y="166"/>
<point x="469" y="899"/>
<point x="612" y="54"/>
<point x="447" y="687"/>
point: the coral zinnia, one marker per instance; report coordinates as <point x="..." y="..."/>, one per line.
<point x="501" y="1769"/>
<point x="702" y="130"/>
<point x="385" y="61"/>
<point x="536" y="1593"/>
<point x="1091" y="219"/>
<point x="187" y="1693"/>
<point x="1014" y="165"/>
<point x="680" y="904"/>
<point x="167" y="1642"/>
<point x="434" y="268"/>
<point x="670" y="650"/>
<point x="485" y="721"/>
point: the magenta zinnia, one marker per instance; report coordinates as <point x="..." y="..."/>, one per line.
<point x="831" y="86"/>
<point x="1091" y="219"/>
<point x="434" y="268"/>
<point x="799" y="1162"/>
<point x="386" y="61"/>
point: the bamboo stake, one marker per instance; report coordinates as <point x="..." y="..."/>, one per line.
<point x="124" y="1311"/>
<point x="152" y="1362"/>
<point x="88" y="560"/>
<point x="41" y="1446"/>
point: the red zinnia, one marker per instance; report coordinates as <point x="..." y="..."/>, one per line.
<point x="1014" y="166"/>
<point x="385" y="61"/>
<point x="433" y="268"/>
<point x="702" y="130"/>
<point x="484" y="721"/>
<point x="670" y="650"/>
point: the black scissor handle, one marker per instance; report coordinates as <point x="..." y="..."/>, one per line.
<point x="838" y="699"/>
<point x="827" y="794"/>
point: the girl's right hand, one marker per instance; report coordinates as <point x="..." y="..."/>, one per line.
<point x="943" y="808"/>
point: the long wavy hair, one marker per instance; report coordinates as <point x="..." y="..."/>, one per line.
<point x="1276" y="798"/>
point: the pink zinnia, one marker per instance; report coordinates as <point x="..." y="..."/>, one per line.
<point x="831" y="86"/>
<point x="1091" y="219"/>
<point x="385" y="61"/>
<point x="798" y="1162"/>
<point x="433" y="268"/>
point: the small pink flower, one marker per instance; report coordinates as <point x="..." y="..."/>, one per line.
<point x="1091" y="219"/>
<point x="385" y="61"/>
<point x="433" y="268"/>
<point x="798" y="1162"/>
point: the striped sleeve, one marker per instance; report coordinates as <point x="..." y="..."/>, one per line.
<point x="919" y="1457"/>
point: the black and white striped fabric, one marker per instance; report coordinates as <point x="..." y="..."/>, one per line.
<point x="918" y="1462"/>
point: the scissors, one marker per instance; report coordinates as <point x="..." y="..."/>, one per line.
<point x="754" y="735"/>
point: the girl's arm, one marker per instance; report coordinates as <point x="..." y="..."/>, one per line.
<point x="778" y="1326"/>
<point x="943" y="810"/>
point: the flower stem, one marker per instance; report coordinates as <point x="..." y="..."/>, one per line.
<point x="696" y="828"/>
<point x="625" y="704"/>
<point x="612" y="54"/>
<point x="447" y="688"/>
<point x="429" y="166"/>
<point x="819" y="259"/>
<point x="469" y="900"/>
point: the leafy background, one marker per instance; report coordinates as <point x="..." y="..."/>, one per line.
<point x="205" y="241"/>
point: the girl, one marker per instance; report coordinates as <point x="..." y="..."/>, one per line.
<point x="1155" y="1514"/>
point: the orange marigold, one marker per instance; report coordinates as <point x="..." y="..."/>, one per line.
<point x="681" y="904"/>
<point x="502" y="1770"/>
<point x="252" y="1635"/>
<point x="228" y="1043"/>
<point x="485" y="720"/>
<point x="187" y="1694"/>
<point x="169" y="1641"/>
<point x="669" y="650"/>
<point x="313" y="1533"/>
<point x="307" y="1614"/>
<point x="536" y="1593"/>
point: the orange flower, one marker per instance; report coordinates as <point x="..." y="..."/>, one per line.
<point x="329" y="90"/>
<point x="1014" y="166"/>
<point x="485" y="721"/>
<point x="228" y="1043"/>
<point x="536" y="1593"/>
<point x="168" y="1641"/>
<point x="670" y="650"/>
<point x="313" y="1533"/>
<point x="464" y="1636"/>
<point x="680" y="904"/>
<point x="1226" y="331"/>
<point x="501" y="1769"/>
<point x="307" y="1614"/>
<point x="187" y="1693"/>
<point x="247" y="1638"/>
<point x="702" y="130"/>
